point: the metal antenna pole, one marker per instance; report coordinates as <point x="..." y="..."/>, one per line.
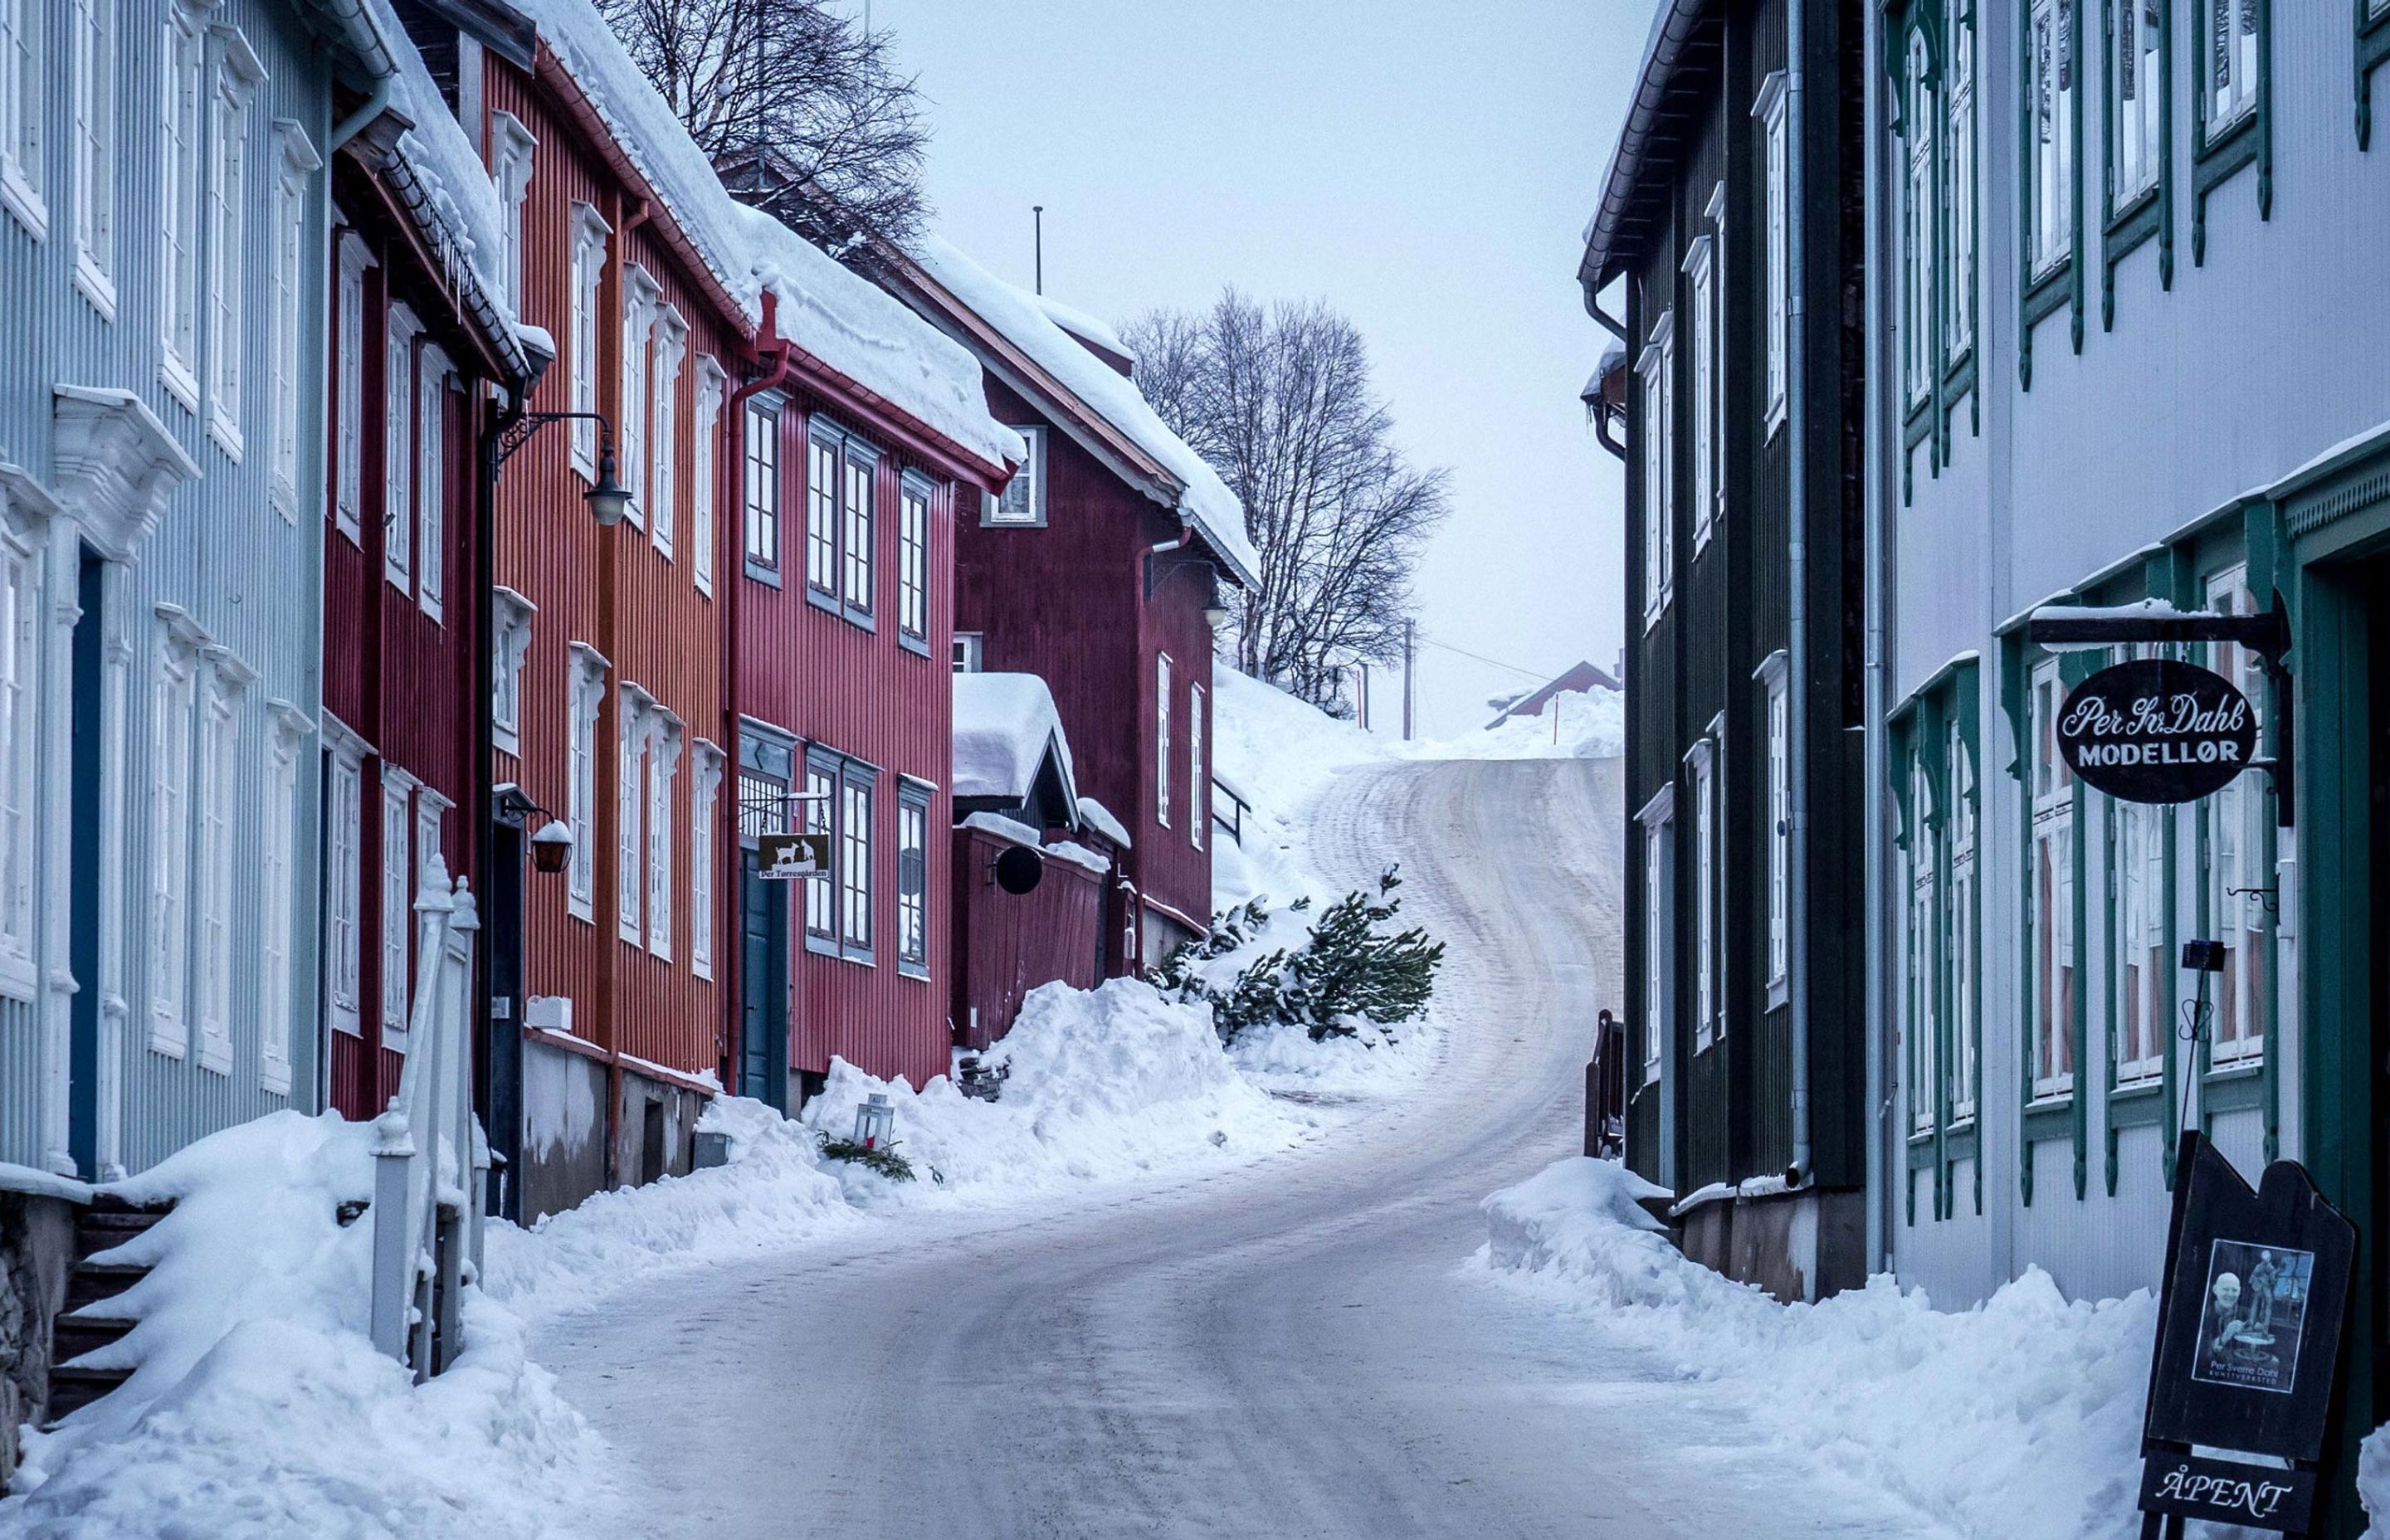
<point x="1037" y="212"/>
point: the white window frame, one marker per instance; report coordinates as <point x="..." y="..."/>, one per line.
<point x="1924" y="915"/>
<point x="2057" y="971"/>
<point x="20" y="689"/>
<point x="640" y="297"/>
<point x="348" y="498"/>
<point x="435" y="377"/>
<point x="2136" y="145"/>
<point x="705" y="473"/>
<point x="1965" y="908"/>
<point x="1777" y="271"/>
<point x="218" y="803"/>
<point x="173" y="717"/>
<point x="1023" y="501"/>
<point x="1656" y="369"/>
<point x="704" y="791"/>
<point x="238" y="75"/>
<point x="858" y="554"/>
<point x="664" y="419"/>
<point x="278" y="879"/>
<point x="913" y="560"/>
<point x="1658" y="821"/>
<point x="586" y="691"/>
<point x="913" y="854"/>
<point x="295" y="161"/>
<point x="1198" y="783"/>
<point x="2229" y="83"/>
<point x="1959" y="181"/>
<point x="397" y="901"/>
<point x="1920" y="122"/>
<point x="2050" y="84"/>
<point x="818" y="808"/>
<point x="400" y="329"/>
<point x="1702" y="300"/>
<point x="343" y="876"/>
<point x="514" y="151"/>
<point x="1707" y="1016"/>
<point x="1778" y="831"/>
<point x="590" y="232"/>
<point x="760" y="502"/>
<point x="24" y="127"/>
<point x="1163" y="770"/>
<point x="92" y="84"/>
<point x="634" y="727"/>
<point x="511" y="616"/>
<point x="430" y="843"/>
<point x="2234" y="857"/>
<point x="2140" y="1024"/>
<point x="183" y="169"/>
<point x="664" y="765"/>
<point x="858" y="798"/>
<point x="970" y="651"/>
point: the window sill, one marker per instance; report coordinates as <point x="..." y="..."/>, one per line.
<point x="180" y="382"/>
<point x="820" y="946"/>
<point x="912" y="644"/>
<point x="215" y="1055"/>
<point x="349" y="529"/>
<point x="860" y="959"/>
<point x="169" y="1037"/>
<point x="828" y="603"/>
<point x="274" y="1078"/>
<point x="861" y="620"/>
<point x="1778" y="412"/>
<point x="18" y="978"/>
<point x="17" y="195"/>
<point x="1780" y="991"/>
<point x="2242" y="1066"/>
<point x="1036" y="523"/>
<point x="768" y="576"/>
<point x="93" y="284"/>
<point x="283" y="498"/>
<point x="585" y="910"/>
<point x="345" y="1023"/>
<point x="506" y="740"/>
<point x="2050" y="1101"/>
<point x="919" y="972"/>
<point x="225" y="436"/>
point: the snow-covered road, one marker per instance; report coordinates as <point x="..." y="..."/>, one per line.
<point x="1294" y="1347"/>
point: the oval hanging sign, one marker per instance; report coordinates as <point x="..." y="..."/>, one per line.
<point x="2154" y="730"/>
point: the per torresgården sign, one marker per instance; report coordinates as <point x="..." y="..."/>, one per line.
<point x="2154" y="730"/>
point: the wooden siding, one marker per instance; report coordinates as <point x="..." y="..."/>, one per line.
<point x="863" y="694"/>
<point x="1066" y="601"/>
<point x="1007" y="944"/>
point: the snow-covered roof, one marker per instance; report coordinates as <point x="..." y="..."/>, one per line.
<point x="834" y="315"/>
<point x="1079" y="324"/>
<point x="1004" y="725"/>
<point x="1096" y="816"/>
<point x="1203" y="498"/>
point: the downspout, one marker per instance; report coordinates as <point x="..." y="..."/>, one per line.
<point x="374" y="107"/>
<point x="1874" y="783"/>
<point x="1796" y="357"/>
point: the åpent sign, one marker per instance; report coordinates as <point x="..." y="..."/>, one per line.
<point x="2154" y="730"/>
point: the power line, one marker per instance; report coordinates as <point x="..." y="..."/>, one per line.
<point x="1540" y="676"/>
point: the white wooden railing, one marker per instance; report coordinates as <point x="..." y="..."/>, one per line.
<point x="431" y="1159"/>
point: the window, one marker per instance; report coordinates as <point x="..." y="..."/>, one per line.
<point x="398" y="448"/>
<point x="1198" y="783"/>
<point x="1659" y="926"/>
<point x="704" y="474"/>
<point x="173" y="704"/>
<point x="278" y="879"/>
<point x="93" y="83"/>
<point x="672" y="334"/>
<point x="1958" y="182"/>
<point x="2141" y="1018"/>
<point x="178" y="289"/>
<point x="840" y="520"/>
<point x="2227" y="62"/>
<point x="1659" y="461"/>
<point x="432" y="375"/>
<point x="635" y="724"/>
<point x="510" y="616"/>
<point x="821" y="512"/>
<point x="969" y="649"/>
<point x="1925" y="982"/>
<point x="2237" y="859"/>
<point x="238" y="74"/>
<point x="763" y="493"/>
<point x="219" y="789"/>
<point x="705" y="787"/>
<point x="24" y="63"/>
<point x="1779" y="829"/>
<point x="1706" y="1015"/>
<point x="1702" y="298"/>
<point x="1162" y="769"/>
<point x="1769" y="110"/>
<point x="348" y="498"/>
<point x="298" y="163"/>
<point x="512" y="149"/>
<point x="2051" y="892"/>
<point x="2050" y="160"/>
<point x="1918" y="118"/>
<point x="2137" y="67"/>
<point x="429" y="852"/>
<point x="820" y="806"/>
<point x="587" y="678"/>
<point x="344" y="865"/>
<point x="664" y="765"/>
<point x="639" y="295"/>
<point x="19" y="618"/>
<point x="913" y="560"/>
<point x="397" y="899"/>
<point x="862" y="526"/>
<point x="913" y="879"/>
<point x="589" y="233"/>
<point x="1023" y="501"/>
<point x="855" y="861"/>
<point x="1965" y="913"/>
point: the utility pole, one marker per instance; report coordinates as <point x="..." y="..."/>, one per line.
<point x="1408" y="626"/>
<point x="1039" y="212"/>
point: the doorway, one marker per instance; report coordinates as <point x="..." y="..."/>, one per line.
<point x="763" y="984"/>
<point x="83" y="875"/>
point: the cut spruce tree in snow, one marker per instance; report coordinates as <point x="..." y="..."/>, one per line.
<point x="882" y="1159"/>
<point x="1350" y="970"/>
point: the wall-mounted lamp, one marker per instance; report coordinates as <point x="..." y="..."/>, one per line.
<point x="551" y="848"/>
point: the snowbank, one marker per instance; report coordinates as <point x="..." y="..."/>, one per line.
<point x="258" y="1405"/>
<point x="1003" y="723"/>
<point x="2020" y="1419"/>
<point x="1573" y="724"/>
<point x="1024" y="321"/>
<point x="1108" y="1085"/>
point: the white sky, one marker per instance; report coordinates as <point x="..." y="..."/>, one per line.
<point x="1425" y="167"/>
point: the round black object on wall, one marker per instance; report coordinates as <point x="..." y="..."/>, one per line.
<point x="1019" y="869"/>
<point x="2154" y="730"/>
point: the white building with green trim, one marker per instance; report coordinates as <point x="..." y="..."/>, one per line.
<point x="2132" y="339"/>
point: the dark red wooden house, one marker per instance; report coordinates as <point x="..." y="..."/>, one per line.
<point x="1095" y="570"/>
<point x="417" y="337"/>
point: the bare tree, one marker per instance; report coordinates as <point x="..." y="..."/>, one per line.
<point x="1278" y="400"/>
<point x="801" y="108"/>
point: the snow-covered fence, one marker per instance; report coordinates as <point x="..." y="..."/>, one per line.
<point x="429" y="1156"/>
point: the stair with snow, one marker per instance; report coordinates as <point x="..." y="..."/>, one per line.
<point x="85" y="1324"/>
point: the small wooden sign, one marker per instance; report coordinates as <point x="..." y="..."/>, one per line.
<point x="785" y="857"/>
<point x="2225" y="1492"/>
<point x="2154" y="730"/>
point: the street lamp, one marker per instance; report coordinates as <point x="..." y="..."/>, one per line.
<point x="1216" y="612"/>
<point x="608" y="498"/>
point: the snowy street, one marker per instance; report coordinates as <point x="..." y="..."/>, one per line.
<point x="1298" y="1346"/>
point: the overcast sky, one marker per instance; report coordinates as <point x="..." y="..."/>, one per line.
<point x="1425" y="167"/>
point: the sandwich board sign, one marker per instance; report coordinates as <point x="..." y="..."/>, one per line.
<point x="2248" y="1350"/>
<point x="786" y="857"/>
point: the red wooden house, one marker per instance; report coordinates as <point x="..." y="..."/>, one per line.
<point x="1095" y="570"/>
<point x="418" y="330"/>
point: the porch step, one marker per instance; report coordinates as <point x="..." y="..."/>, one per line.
<point x="93" y="1281"/>
<point x="75" y="1335"/>
<point x="109" y="1223"/>
<point x="71" y="1390"/>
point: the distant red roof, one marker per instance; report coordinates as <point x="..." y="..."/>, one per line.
<point x="1584" y="676"/>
